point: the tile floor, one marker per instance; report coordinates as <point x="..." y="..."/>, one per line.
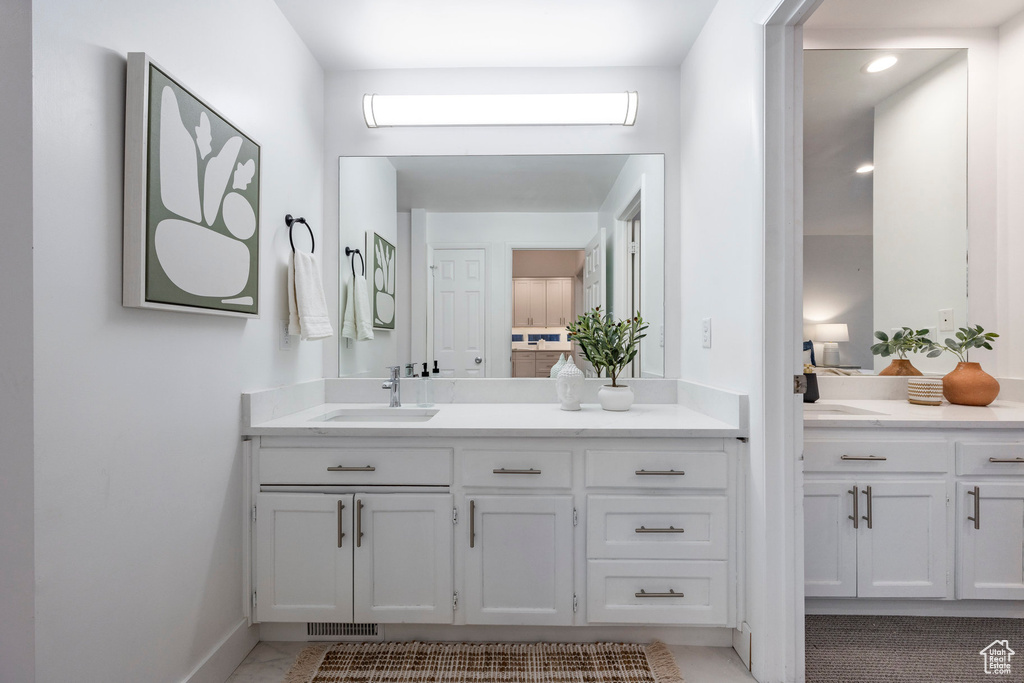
<point x="269" y="662"/>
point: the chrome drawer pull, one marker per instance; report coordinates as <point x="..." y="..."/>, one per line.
<point x="359" y="523"/>
<point x="1009" y="460"/>
<point x="671" y="594"/>
<point x="341" y="534"/>
<point x="655" y="530"/>
<point x="342" y="468"/>
<point x="977" y="507"/>
<point x="659" y="472"/>
<point x="862" y="457"/>
<point x="472" y="524"/>
<point x="867" y="492"/>
<point x="855" y="516"/>
<point x="502" y="470"/>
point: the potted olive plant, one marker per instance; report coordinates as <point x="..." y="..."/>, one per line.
<point x="902" y="342"/>
<point x="610" y="346"/>
<point x="968" y="384"/>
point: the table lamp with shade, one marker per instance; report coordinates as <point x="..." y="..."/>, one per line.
<point x="830" y="334"/>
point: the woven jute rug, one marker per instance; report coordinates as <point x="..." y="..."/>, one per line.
<point x="485" y="663"/>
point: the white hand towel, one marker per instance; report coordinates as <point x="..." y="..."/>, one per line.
<point x="363" y="312"/>
<point x="314" y="322"/>
<point x="293" y="309"/>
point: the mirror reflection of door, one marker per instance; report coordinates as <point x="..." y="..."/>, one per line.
<point x="460" y="312"/>
<point x="631" y="228"/>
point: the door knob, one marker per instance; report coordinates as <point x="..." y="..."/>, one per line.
<point x="478" y="360"/>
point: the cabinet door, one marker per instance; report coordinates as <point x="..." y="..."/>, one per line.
<point x="303" y="557"/>
<point x="538" y="303"/>
<point x="989" y="561"/>
<point x="903" y="554"/>
<point x="830" y="539"/>
<point x="520" y="302"/>
<point x="403" y="558"/>
<point x="519" y="552"/>
<point x="524" y="364"/>
<point x="559" y="302"/>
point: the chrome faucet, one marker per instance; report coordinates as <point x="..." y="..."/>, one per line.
<point x="394" y="385"/>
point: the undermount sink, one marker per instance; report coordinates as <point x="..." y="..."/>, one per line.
<point x="832" y="409"/>
<point x="377" y="415"/>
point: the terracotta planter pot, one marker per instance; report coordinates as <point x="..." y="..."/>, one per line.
<point x="900" y="367"/>
<point x="969" y="385"/>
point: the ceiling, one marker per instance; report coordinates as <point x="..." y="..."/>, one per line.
<point x="839" y="102"/>
<point x="923" y="14"/>
<point x="419" y="34"/>
<point x="457" y="184"/>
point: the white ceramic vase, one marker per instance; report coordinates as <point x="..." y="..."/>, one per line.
<point x="615" y="398"/>
<point x="570" y="385"/>
<point x="557" y="367"/>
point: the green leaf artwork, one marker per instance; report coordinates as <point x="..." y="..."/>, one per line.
<point x="383" y="283"/>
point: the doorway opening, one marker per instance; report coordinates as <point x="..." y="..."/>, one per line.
<point x="547" y="295"/>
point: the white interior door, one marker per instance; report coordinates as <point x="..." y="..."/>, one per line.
<point x="460" y="312"/>
<point x="594" y="284"/>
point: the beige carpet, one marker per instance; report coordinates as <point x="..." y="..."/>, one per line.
<point x="485" y="663"/>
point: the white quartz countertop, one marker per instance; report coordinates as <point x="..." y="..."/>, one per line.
<point x="507" y="419"/>
<point x="903" y="414"/>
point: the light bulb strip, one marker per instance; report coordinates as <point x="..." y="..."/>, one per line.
<point x="500" y="110"/>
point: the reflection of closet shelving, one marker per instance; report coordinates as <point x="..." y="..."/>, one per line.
<point x="542" y="302"/>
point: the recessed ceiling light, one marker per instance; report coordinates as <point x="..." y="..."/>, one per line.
<point x="866" y="168"/>
<point x="880" y="64"/>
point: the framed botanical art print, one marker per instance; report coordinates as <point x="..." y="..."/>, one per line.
<point x="383" y="283"/>
<point x="191" y="201"/>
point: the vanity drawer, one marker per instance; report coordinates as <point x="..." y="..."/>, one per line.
<point x="658" y="527"/>
<point x="850" y="455"/>
<point x="657" y="469"/>
<point x="990" y="458"/>
<point x="355" y="466"/>
<point x="548" y="357"/>
<point x="516" y="469"/>
<point x="698" y="592"/>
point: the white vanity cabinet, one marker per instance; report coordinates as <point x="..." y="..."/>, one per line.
<point x="495" y="531"/>
<point x="660" y="534"/>
<point x="518" y="541"/>
<point x="990" y="513"/>
<point x="877" y="519"/>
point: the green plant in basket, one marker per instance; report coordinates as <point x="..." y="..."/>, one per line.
<point x="904" y="341"/>
<point x="969" y="338"/>
<point x="608" y="344"/>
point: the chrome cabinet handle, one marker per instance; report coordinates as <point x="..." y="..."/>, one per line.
<point x="856" y="502"/>
<point x="659" y="472"/>
<point x="661" y="530"/>
<point x="867" y="492"/>
<point x="359" y="523"/>
<point x="1007" y="460"/>
<point x="502" y="470"/>
<point x="478" y="360"/>
<point x="341" y="534"/>
<point x="472" y="524"/>
<point x="671" y="594"/>
<point x="977" y="507"/>
<point x="862" y="457"/>
<point x="343" y="468"/>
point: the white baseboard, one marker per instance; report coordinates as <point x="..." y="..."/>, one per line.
<point x="914" y="608"/>
<point x="694" y="635"/>
<point x="226" y="655"/>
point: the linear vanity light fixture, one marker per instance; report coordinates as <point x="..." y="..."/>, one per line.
<point x="611" y="109"/>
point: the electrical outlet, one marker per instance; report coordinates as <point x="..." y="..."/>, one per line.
<point x="284" y="341"/>
<point x="946" y="319"/>
<point x="705" y="334"/>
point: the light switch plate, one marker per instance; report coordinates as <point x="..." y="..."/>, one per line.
<point x="705" y="334"/>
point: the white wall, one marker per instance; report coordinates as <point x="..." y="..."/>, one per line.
<point x="656" y="131"/>
<point x="137" y="452"/>
<point x="547" y="263"/>
<point x="920" y="206"/>
<point x="646" y="173"/>
<point x="17" y="568"/>
<point x="837" y="288"/>
<point x="1010" y="238"/>
<point x="368" y="192"/>
<point x="987" y="264"/>
<point x="499" y="234"/>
